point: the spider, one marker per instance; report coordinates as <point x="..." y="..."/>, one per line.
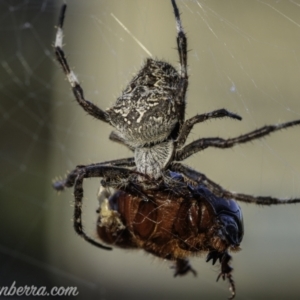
<point x="149" y="119"/>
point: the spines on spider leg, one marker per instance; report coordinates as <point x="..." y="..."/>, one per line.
<point x="203" y="143"/>
<point x="181" y="41"/>
<point x="60" y="184"/>
<point x="72" y="78"/>
<point x="260" y="200"/>
<point x="60" y="55"/>
<point x="88" y="106"/>
<point x="182" y="52"/>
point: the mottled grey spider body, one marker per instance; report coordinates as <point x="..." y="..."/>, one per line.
<point x="145" y="113"/>
<point x="149" y="118"/>
<point x="145" y="116"/>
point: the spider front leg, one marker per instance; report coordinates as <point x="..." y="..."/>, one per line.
<point x="216" y="189"/>
<point x="217" y="142"/>
<point x="181" y="42"/>
<point x="182" y="52"/>
<point x="89" y="107"/>
<point x="189" y="124"/>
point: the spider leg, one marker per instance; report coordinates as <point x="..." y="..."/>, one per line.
<point x="180" y="100"/>
<point x="181" y="42"/>
<point x="182" y="51"/>
<point x="198" y="178"/>
<point x="77" y="220"/>
<point x="217" y="190"/>
<point x="89" y="107"/>
<point x="91" y="171"/>
<point x="189" y="124"/>
<point x="217" y="142"/>
<point x="70" y="179"/>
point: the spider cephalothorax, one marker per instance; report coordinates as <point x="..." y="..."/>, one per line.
<point x="149" y="118"/>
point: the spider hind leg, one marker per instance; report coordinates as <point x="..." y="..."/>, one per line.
<point x="219" y="191"/>
<point x="76" y="178"/>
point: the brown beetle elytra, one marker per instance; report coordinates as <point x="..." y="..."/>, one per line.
<point x="173" y="224"/>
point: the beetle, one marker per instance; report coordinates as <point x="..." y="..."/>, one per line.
<point x="173" y="224"/>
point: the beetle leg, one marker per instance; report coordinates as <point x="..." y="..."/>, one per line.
<point x="226" y="272"/>
<point x="213" y="255"/>
<point x="182" y="267"/>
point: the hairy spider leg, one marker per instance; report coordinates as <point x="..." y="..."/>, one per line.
<point x="60" y="185"/>
<point x="77" y="220"/>
<point x="217" y="142"/>
<point x="89" y="107"/>
<point x="217" y="190"/>
<point x="76" y="178"/>
<point x="182" y="51"/>
<point x="185" y="127"/>
<point x="189" y="124"/>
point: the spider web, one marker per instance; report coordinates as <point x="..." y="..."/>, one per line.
<point x="244" y="56"/>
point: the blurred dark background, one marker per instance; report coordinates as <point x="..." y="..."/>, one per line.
<point x="244" y="56"/>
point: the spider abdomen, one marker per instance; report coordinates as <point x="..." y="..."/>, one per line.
<point x="145" y="113"/>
